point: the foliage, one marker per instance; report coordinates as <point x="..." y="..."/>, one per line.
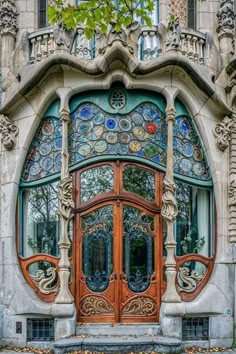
<point x="99" y="14"/>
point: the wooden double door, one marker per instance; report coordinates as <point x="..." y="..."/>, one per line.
<point x="118" y="253"/>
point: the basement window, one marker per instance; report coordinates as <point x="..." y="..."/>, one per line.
<point x="40" y="329"/>
<point x="195" y="328"/>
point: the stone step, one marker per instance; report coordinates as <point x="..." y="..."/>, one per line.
<point x="121" y="329"/>
<point x="118" y="344"/>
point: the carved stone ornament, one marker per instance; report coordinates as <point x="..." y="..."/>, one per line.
<point x="66" y="203"/>
<point x="63" y="37"/>
<point x="226" y="17"/>
<point x="8" y="132"/>
<point x="223" y="133"/>
<point x="191" y="279"/>
<point x="95" y="305"/>
<point x="44" y="280"/>
<point x="169" y="209"/>
<point x="141" y="306"/>
<point x="174" y="40"/>
<point x="123" y="36"/>
<point x="232" y="193"/>
<point x="8" y="13"/>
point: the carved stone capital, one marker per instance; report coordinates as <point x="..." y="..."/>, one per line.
<point x="63" y="37"/>
<point x="226" y="18"/>
<point x="8" y="132"/>
<point x="169" y="209"/>
<point x="8" y="14"/>
<point x="66" y="203"/>
<point x="223" y="132"/>
<point x="174" y="39"/>
<point x="232" y="193"/>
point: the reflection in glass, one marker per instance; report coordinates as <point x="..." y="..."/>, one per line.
<point x="41" y="227"/>
<point x="138" y="249"/>
<point x="192" y="229"/>
<point x="97" y="248"/>
<point x="139" y="181"/>
<point x="95" y="181"/>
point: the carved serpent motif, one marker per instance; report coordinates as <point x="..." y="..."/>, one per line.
<point x="43" y="283"/>
<point x="142" y="306"/>
<point x="95" y="305"/>
<point x="192" y="279"/>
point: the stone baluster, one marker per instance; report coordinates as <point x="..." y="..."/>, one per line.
<point x="169" y="209"/>
<point x="66" y="204"/>
<point x="52" y="44"/>
<point x="190" y="46"/>
<point x="33" y="50"/>
<point x="195" y="48"/>
<point x="183" y="44"/>
<point x="39" y="52"/>
<point x="152" y="45"/>
<point x="159" y="45"/>
<point x="232" y="181"/>
<point x="201" y="54"/>
<point x="145" y="49"/>
<point x="45" y="41"/>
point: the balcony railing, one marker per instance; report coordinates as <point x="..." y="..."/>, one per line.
<point x="152" y="44"/>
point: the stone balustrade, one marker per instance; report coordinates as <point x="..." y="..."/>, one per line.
<point x="151" y="44"/>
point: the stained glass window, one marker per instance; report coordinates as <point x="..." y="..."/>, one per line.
<point x="44" y="157"/>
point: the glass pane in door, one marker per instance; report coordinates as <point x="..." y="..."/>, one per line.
<point x="97" y="261"/>
<point x="138" y="248"/>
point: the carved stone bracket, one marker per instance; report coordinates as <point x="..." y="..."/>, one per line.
<point x="44" y="281"/>
<point x="226" y="18"/>
<point x="8" y="14"/>
<point x="223" y="133"/>
<point x="232" y="193"/>
<point x="8" y="132"/>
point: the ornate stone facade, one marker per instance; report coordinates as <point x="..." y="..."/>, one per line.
<point x="8" y="16"/>
<point x="8" y="132"/>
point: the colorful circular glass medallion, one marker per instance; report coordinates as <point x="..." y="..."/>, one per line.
<point x="34" y="155"/>
<point x="100" y="146"/>
<point x="123" y="149"/>
<point x="84" y="128"/>
<point x="58" y="143"/>
<point x="47" y="163"/>
<point x="111" y="124"/>
<point x="48" y="128"/>
<point x="124" y="138"/>
<point x="188" y="149"/>
<point x="74" y="136"/>
<point x="85" y="112"/>
<point x="150" y="150"/>
<point x="185" y="165"/>
<point x="111" y="138"/>
<point x="137" y="118"/>
<point x="198" y="156"/>
<point x="45" y="149"/>
<point x="198" y="169"/>
<point x="134" y="146"/>
<point x="125" y="124"/>
<point x="98" y="119"/>
<point x="151" y="128"/>
<point x="84" y="149"/>
<point x="184" y="126"/>
<point x="34" y="168"/>
<point x="149" y="112"/>
<point x="139" y="133"/>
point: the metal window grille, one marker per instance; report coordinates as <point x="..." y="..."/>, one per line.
<point x="40" y="329"/>
<point x="195" y="328"/>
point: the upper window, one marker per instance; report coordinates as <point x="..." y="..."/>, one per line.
<point x="191" y="14"/>
<point x="42" y="13"/>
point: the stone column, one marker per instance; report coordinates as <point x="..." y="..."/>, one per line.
<point x="225" y="29"/>
<point x="64" y="309"/>
<point x="169" y="212"/>
<point x="232" y="180"/>
<point x="66" y="204"/>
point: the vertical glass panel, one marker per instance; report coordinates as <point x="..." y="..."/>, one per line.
<point x="41" y="226"/>
<point x="192" y="227"/>
<point x="139" y="181"/>
<point x="138" y="248"/>
<point x="192" y="14"/>
<point x="97" y="262"/>
<point x="95" y="181"/>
